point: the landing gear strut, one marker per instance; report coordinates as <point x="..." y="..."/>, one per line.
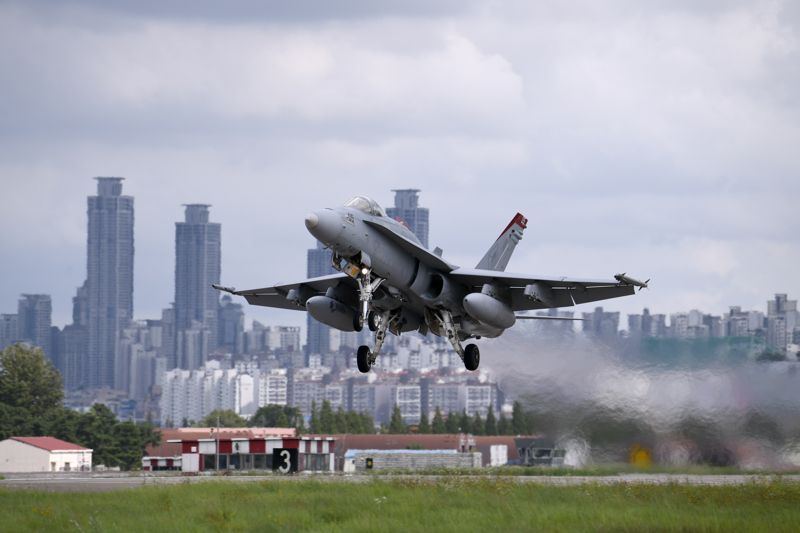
<point x="366" y="357"/>
<point x="471" y="355"/>
<point x="376" y="321"/>
<point x="366" y="289"/>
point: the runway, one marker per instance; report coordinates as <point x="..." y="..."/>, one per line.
<point x="95" y="483"/>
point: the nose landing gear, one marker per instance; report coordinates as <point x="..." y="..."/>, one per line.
<point x="366" y="289"/>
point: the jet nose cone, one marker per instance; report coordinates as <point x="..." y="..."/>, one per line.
<point x="324" y="225"/>
<point x="312" y="220"/>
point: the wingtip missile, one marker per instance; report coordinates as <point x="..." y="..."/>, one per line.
<point x="223" y="288"/>
<point x="627" y="280"/>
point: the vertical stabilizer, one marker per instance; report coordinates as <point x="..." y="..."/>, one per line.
<point x="500" y="253"/>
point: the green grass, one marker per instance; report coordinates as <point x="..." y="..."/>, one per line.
<point x="454" y="504"/>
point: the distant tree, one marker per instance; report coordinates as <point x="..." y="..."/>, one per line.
<point x="28" y="381"/>
<point x="452" y="423"/>
<point x="438" y="426"/>
<point x="354" y="422"/>
<point x="503" y="426"/>
<point x="326" y="419"/>
<point x="340" y="422"/>
<point x="314" y="418"/>
<point x="490" y="425"/>
<point x="519" y="422"/>
<point x="424" y="425"/>
<point x="477" y="424"/>
<point x="14" y="421"/>
<point x="63" y="423"/>
<point x="396" y="424"/>
<point x="770" y="356"/>
<point x="277" y="416"/>
<point x="464" y="422"/>
<point x="367" y="424"/>
<point x="225" y="418"/>
<point x="129" y="441"/>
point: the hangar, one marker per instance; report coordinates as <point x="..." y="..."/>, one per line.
<point x="242" y="449"/>
<point x="43" y="454"/>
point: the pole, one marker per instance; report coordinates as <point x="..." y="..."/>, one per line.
<point x="217" y="441"/>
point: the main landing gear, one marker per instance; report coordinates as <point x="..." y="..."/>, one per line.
<point x="366" y="357"/>
<point x="471" y="354"/>
<point x="376" y="321"/>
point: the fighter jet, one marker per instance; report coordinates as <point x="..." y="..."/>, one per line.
<point x="389" y="282"/>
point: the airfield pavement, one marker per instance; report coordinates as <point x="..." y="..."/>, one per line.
<point x="105" y="483"/>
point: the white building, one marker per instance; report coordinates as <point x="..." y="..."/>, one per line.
<point x="408" y="398"/>
<point x="273" y="388"/>
<point x="190" y="395"/>
<point x="43" y="454"/>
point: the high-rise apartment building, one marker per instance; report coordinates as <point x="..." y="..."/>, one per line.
<point x="600" y="323"/>
<point x="109" y="282"/>
<point x="231" y="326"/>
<point x="34" y="314"/>
<point x="197" y="266"/>
<point x="318" y="335"/>
<point x="406" y="209"/>
<point x="782" y="321"/>
<point x="8" y="330"/>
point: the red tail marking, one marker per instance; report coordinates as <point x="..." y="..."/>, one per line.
<point x="519" y="220"/>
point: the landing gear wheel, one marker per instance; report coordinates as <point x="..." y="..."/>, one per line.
<point x="362" y="358"/>
<point x="472" y="357"/>
<point x="358" y="324"/>
<point x="372" y="321"/>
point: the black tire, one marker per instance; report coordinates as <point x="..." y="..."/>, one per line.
<point x="357" y="324"/>
<point x="362" y="359"/>
<point x="472" y="357"/>
<point x="372" y="321"/>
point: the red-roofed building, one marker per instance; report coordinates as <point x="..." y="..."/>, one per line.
<point x="43" y="454"/>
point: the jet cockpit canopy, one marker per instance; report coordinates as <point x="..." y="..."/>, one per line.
<point x="366" y="205"/>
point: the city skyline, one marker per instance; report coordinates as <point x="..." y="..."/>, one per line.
<point x="197" y="219"/>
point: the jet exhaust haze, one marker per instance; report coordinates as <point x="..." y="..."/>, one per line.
<point x="607" y="398"/>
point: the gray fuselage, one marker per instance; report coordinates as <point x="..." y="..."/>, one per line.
<point x="411" y="286"/>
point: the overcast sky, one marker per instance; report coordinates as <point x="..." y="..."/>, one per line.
<point x="657" y="138"/>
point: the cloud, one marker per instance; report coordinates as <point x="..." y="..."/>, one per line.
<point x="658" y="139"/>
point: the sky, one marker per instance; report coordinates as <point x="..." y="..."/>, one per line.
<point x="654" y="138"/>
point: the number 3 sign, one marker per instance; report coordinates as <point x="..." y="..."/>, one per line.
<point x="284" y="460"/>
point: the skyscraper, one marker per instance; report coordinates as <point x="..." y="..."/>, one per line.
<point x="406" y="209"/>
<point x="197" y="266"/>
<point x="34" y="314"/>
<point x="75" y="342"/>
<point x="782" y="321"/>
<point x="8" y="330"/>
<point x="231" y="326"/>
<point x="109" y="282"/>
<point x="601" y="323"/>
<point x="318" y="336"/>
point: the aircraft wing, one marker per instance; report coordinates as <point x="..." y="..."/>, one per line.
<point x="543" y="292"/>
<point x="412" y="248"/>
<point x="278" y="295"/>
